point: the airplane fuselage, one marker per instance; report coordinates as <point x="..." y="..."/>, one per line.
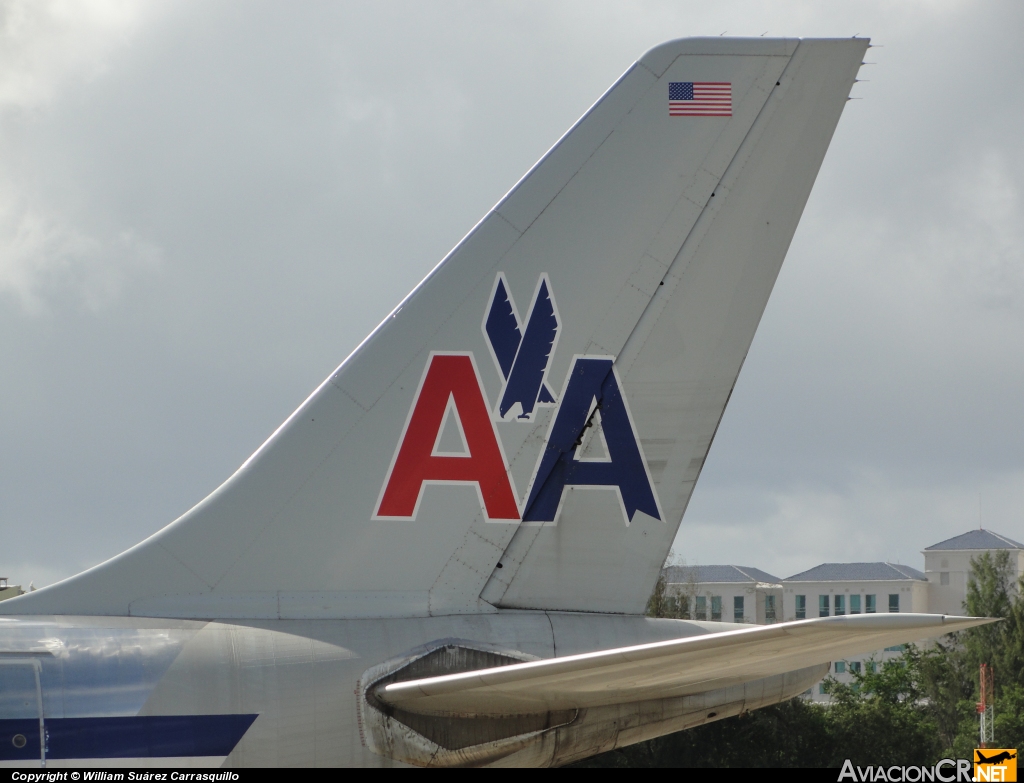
<point x="297" y="692"/>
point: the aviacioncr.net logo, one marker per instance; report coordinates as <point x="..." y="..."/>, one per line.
<point x="945" y="771"/>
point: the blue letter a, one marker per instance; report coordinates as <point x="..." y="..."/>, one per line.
<point x="590" y="380"/>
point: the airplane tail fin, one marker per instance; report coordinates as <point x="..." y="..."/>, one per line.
<point x="526" y="428"/>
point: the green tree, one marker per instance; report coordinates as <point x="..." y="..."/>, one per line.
<point x="880" y="717"/>
<point x="989" y="594"/>
<point x="1009" y="723"/>
<point x="949" y="686"/>
<point x="662" y="603"/>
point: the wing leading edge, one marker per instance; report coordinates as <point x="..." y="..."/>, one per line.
<point x="662" y="669"/>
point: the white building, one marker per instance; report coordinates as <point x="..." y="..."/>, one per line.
<point x="726" y="593"/>
<point x="832" y="589"/>
<point x="948" y="563"/>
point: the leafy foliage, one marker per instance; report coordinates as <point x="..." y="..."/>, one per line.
<point x="990" y="593"/>
<point x="878" y="718"/>
<point x="664" y="604"/>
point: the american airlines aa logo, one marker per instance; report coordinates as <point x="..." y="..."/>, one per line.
<point x="591" y="443"/>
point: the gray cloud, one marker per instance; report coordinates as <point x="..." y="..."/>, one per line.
<point x="205" y="207"/>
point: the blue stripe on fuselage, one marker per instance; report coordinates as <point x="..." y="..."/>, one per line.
<point x="138" y="736"/>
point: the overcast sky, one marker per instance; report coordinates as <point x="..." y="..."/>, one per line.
<point x="204" y="207"/>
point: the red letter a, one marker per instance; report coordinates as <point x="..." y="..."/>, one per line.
<point x="448" y="376"/>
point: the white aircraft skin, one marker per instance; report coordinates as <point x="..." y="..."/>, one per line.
<point x="443" y="556"/>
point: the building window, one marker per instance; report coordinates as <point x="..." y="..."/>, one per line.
<point x="871" y="666"/>
<point x="944" y="578"/>
<point x="894" y="602"/>
<point x="869" y="604"/>
<point x="701" y="608"/>
<point x="855" y="667"/>
<point x="801" y="607"/>
<point x="769" y="608"/>
<point x="945" y="563"/>
<point x="840" y="667"/>
<point x="840" y="605"/>
<point x="897" y="648"/>
<point x="821" y="689"/>
<point x="822" y="606"/>
<point x="854" y="604"/>
<point x="737" y="608"/>
<point x="716" y="607"/>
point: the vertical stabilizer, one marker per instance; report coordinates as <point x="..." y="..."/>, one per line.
<point x="525" y="429"/>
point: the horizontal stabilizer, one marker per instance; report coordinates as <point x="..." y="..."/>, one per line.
<point x="663" y="669"/>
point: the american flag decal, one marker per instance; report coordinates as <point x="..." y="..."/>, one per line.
<point x="700" y="99"/>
